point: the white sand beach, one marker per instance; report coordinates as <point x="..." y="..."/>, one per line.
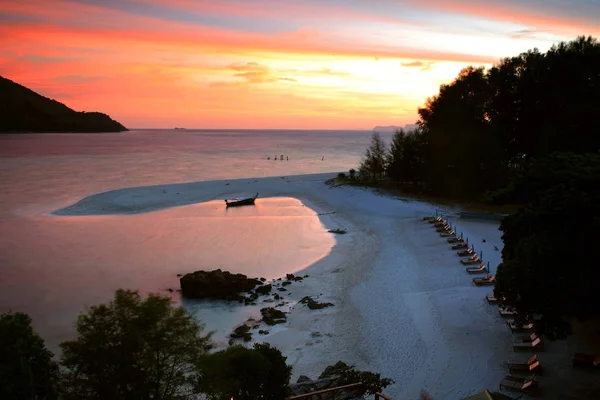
<point x="404" y="304"/>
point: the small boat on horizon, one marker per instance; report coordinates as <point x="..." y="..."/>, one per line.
<point x="240" y="201"/>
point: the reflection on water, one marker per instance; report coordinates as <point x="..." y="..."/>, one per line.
<point x="59" y="264"/>
<point x="52" y="266"/>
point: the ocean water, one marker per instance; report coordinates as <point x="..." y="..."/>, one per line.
<point x="54" y="266"/>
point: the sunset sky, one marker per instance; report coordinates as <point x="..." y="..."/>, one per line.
<point x="307" y="64"/>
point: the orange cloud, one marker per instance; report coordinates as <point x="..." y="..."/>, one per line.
<point x="333" y="67"/>
<point x="422" y="65"/>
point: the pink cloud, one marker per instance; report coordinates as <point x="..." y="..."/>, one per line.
<point x="549" y="19"/>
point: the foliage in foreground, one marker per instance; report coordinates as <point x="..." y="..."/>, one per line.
<point x="546" y="268"/>
<point x="27" y="371"/>
<point x="347" y="374"/>
<point x="241" y="373"/>
<point x="134" y="348"/>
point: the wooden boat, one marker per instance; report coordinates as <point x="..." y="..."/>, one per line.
<point x="241" y="201"/>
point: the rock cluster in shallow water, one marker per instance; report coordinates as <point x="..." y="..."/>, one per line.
<point x="216" y="284"/>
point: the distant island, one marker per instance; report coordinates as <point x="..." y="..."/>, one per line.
<point x="24" y="111"/>
<point x="394" y="128"/>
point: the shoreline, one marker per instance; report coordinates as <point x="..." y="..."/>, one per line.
<point x="403" y="303"/>
<point x="309" y="338"/>
<point x="314" y="339"/>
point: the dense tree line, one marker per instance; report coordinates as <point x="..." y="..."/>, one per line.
<point x="486" y="125"/>
<point x="143" y="349"/>
<point x="524" y="133"/>
<point x="547" y="272"/>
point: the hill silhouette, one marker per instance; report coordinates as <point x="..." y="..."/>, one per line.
<point x="23" y="110"/>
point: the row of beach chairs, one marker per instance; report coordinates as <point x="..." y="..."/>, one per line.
<point x="473" y="261"/>
<point x="475" y="265"/>
<point x="527" y="340"/>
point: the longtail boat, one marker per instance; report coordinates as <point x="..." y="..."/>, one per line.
<point x="240" y="201"/>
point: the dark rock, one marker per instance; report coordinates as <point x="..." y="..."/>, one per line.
<point x="263" y="332"/>
<point x="179" y="275"/>
<point x="286" y="283"/>
<point x="314" y="305"/>
<point x="170" y="290"/>
<point x="216" y="284"/>
<point x="292" y="277"/>
<point x="272" y="316"/>
<point x="262" y="279"/>
<point x="276" y="296"/>
<point x="241" y="332"/>
<point x="303" y="378"/>
<point x="282" y="289"/>
<point x="265" y="289"/>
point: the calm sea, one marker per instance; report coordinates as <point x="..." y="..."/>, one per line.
<point x="51" y="266"/>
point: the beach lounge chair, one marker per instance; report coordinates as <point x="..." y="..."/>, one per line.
<point x="529" y="338"/>
<point x="445" y="229"/>
<point x="514" y="327"/>
<point x="531" y="365"/>
<point x="522" y="345"/>
<point x="492" y="299"/>
<point x="486" y="280"/>
<point x="506" y="312"/>
<point x="433" y="220"/>
<point x="455" y="239"/>
<point x="441" y="224"/>
<point x="586" y="360"/>
<point x="519" y="384"/>
<point x="474" y="259"/>
<point x="464" y="253"/>
<point x="459" y="245"/>
<point x="482" y="269"/>
<point x="446" y="234"/>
